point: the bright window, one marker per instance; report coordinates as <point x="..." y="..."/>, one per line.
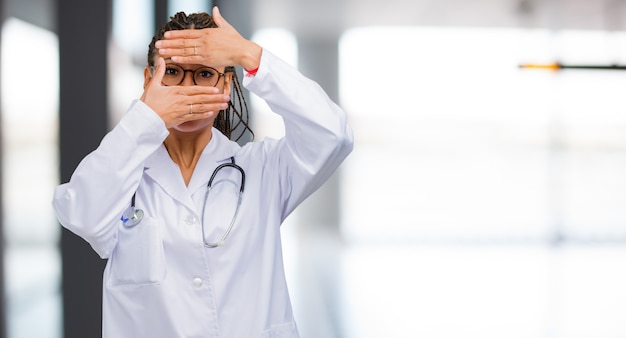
<point x="30" y="91"/>
<point x="454" y="142"/>
<point x="518" y="173"/>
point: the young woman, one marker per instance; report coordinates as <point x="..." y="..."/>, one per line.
<point x="188" y="219"/>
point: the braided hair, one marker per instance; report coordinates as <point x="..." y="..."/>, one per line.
<point x="234" y="120"/>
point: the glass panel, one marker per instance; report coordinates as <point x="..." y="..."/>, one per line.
<point x="189" y="6"/>
<point x="132" y="33"/>
<point x="282" y="43"/>
<point x="458" y="143"/>
<point x="482" y="200"/>
<point x="30" y="162"/>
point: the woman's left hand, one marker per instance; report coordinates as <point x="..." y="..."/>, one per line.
<point x="215" y="47"/>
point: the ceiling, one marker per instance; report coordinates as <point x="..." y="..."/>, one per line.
<point x="37" y="12"/>
<point x="331" y="17"/>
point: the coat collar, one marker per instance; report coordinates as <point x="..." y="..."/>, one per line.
<point x="162" y="170"/>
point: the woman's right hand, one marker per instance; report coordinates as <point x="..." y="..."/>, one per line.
<point x="179" y="104"/>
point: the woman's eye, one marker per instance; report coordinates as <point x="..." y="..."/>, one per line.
<point x="171" y="71"/>
<point x="206" y="73"/>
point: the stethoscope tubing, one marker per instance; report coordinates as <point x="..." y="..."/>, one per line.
<point x="134" y="216"/>
<point x="206" y="197"/>
<point x="232" y="165"/>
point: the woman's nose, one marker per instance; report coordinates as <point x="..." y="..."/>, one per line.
<point x="188" y="79"/>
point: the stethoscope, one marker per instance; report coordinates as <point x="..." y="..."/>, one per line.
<point x="133" y="215"/>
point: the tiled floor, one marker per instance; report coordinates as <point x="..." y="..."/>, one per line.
<point x="444" y="291"/>
<point x="432" y="291"/>
<point x="33" y="292"/>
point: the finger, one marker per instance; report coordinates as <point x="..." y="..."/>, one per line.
<point x="201" y="106"/>
<point x="183" y="54"/>
<point x="206" y="107"/>
<point x="218" y="18"/>
<point x="178" y="51"/>
<point x="217" y="100"/>
<point x="198" y="116"/>
<point x="159" y="72"/>
<point x="176" y="43"/>
<point x="195" y="90"/>
<point x="203" y="103"/>
<point x="182" y="34"/>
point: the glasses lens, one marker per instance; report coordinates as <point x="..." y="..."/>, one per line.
<point x="206" y="76"/>
<point x="173" y="75"/>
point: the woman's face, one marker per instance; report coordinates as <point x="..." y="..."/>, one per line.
<point x="193" y="75"/>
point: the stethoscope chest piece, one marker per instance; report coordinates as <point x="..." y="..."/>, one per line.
<point x="132" y="216"/>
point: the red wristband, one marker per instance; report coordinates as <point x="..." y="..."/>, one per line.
<point x="252" y="72"/>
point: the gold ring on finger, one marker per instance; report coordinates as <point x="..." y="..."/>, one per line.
<point x="191" y="108"/>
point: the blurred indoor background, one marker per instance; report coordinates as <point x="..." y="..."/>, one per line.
<point x="481" y="199"/>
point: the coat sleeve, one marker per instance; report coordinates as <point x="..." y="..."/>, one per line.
<point x="101" y="187"/>
<point x="317" y="136"/>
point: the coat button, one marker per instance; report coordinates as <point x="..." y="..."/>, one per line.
<point x="197" y="282"/>
<point x="191" y="220"/>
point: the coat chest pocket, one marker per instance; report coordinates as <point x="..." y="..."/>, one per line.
<point x="138" y="258"/>
<point x="287" y="330"/>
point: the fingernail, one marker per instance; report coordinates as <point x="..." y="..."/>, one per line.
<point x="158" y="44"/>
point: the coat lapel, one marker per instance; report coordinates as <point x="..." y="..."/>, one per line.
<point x="164" y="172"/>
<point x="160" y="168"/>
<point x="217" y="151"/>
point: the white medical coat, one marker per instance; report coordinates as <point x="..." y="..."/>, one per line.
<point x="160" y="281"/>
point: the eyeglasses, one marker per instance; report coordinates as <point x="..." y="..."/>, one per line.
<point x="203" y="76"/>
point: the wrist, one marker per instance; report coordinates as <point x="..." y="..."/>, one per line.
<point x="251" y="58"/>
<point x="251" y="72"/>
